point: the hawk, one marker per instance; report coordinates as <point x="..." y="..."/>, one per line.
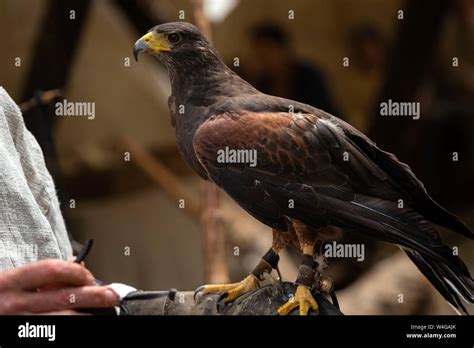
<point x="314" y="173"/>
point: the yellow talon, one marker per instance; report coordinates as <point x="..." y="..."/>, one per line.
<point x="250" y="283"/>
<point x="303" y="298"/>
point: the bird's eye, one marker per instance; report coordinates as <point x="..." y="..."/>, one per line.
<point x="173" y="38"/>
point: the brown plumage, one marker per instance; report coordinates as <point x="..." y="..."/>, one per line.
<point x="334" y="174"/>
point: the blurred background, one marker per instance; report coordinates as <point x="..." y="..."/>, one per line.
<point x="120" y="177"/>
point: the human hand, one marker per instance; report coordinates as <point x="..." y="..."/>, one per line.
<point x="51" y="287"/>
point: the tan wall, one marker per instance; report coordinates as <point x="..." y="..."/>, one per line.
<point x="19" y="22"/>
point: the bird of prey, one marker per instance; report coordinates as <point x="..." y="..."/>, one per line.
<point x="314" y="173"/>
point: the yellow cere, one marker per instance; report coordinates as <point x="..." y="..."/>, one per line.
<point x="156" y="42"/>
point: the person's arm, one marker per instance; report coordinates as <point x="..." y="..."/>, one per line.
<point x="31" y="224"/>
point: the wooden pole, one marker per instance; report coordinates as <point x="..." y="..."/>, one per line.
<point x="212" y="228"/>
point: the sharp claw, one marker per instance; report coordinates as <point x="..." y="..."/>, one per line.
<point x="197" y="291"/>
<point x="223" y="296"/>
<point x="220" y="305"/>
<point x="221" y="301"/>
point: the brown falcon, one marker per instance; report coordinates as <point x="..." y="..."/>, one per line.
<point x="313" y="172"/>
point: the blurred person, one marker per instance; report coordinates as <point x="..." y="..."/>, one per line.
<point x="367" y="53"/>
<point x="368" y="48"/>
<point x="284" y="75"/>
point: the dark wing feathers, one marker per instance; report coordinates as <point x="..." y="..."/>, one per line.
<point x="402" y="178"/>
<point x="335" y="176"/>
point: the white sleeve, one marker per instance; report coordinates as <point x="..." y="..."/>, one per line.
<point x="31" y="223"/>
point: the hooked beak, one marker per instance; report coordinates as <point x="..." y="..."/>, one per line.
<point x="139" y="47"/>
<point x="151" y="42"/>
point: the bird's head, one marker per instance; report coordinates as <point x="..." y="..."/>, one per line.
<point x="194" y="66"/>
<point x="174" y="42"/>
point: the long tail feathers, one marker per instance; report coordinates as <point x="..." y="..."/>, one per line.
<point x="453" y="283"/>
<point x="419" y="239"/>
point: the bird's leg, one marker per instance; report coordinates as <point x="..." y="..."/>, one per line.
<point x="305" y="280"/>
<point x="268" y="262"/>
<point x="307" y="272"/>
<point x="309" y="276"/>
